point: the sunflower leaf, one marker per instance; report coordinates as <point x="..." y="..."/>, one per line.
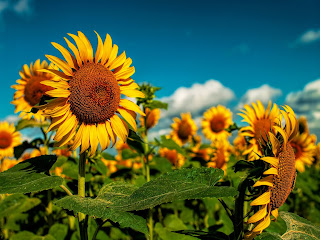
<point x="297" y="228"/>
<point x="157" y="104"/>
<point x="177" y="185"/>
<point x="25" y="123"/>
<point x="135" y="141"/>
<point x="30" y="176"/>
<point x="170" y="144"/>
<point x="98" y="207"/>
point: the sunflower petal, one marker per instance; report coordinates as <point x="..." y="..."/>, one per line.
<point x="262" y="199"/>
<point x="93" y="138"/>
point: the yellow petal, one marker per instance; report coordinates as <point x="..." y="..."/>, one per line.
<point x="103" y="136"/>
<point x="66" y="127"/>
<point x="75" y="52"/>
<point x="266" y="181"/>
<point x="127" y="104"/>
<point x="119" y="128"/>
<point x="85" y="140"/>
<point x="66" y="54"/>
<point x="262" y="199"/>
<point x="118" y="61"/>
<point x="263" y="225"/>
<point x="66" y="138"/>
<point x="88" y="46"/>
<point x="81" y="47"/>
<point x="270" y="171"/>
<point x="111" y="133"/>
<point x="275" y="213"/>
<point x="125" y="74"/>
<point x="272" y="160"/>
<point x="77" y="139"/>
<point x="93" y="138"/>
<point x="132" y="93"/>
<point x="113" y="55"/>
<point x="60" y="84"/>
<point x="258" y="215"/>
<point x="128" y="117"/>
<point x="64" y="93"/>
<point x="107" y="47"/>
<point x="56" y="73"/>
<point x="99" y="51"/>
<point x="61" y="64"/>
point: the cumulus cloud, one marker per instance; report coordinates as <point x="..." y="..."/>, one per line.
<point x="263" y="93"/>
<point x="197" y="98"/>
<point x="309" y="36"/>
<point x="11" y="119"/>
<point x="20" y="7"/>
<point x="307" y="103"/>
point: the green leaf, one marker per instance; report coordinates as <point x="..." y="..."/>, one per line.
<point x="98" y="207"/>
<point x="170" y="144"/>
<point x="17" y="203"/>
<point x="29" y="176"/>
<point x="31" y="236"/>
<point x="177" y="185"/>
<point x="166" y="234"/>
<point x="157" y="104"/>
<point x="135" y="141"/>
<point x="59" y="231"/>
<point x="101" y="167"/>
<point x="297" y="228"/>
<point x="161" y="164"/>
<point x="25" y="123"/>
<point x="107" y="156"/>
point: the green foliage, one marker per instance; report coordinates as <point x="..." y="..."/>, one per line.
<point x="59" y="231"/>
<point x="135" y="141"/>
<point x="170" y="144"/>
<point x="30" y="176"/>
<point x="31" y="236"/>
<point x="297" y="228"/>
<point x="17" y="203"/>
<point x="177" y="185"/>
<point x="98" y="207"/>
<point x="25" y="123"/>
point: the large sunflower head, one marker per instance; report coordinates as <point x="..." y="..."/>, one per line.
<point x="151" y="119"/>
<point x="9" y="139"/>
<point x="183" y="129"/>
<point x="30" y="89"/>
<point x="215" y="121"/>
<point x="304" y="149"/>
<point x="88" y="106"/>
<point x="261" y="121"/>
<point x="279" y="178"/>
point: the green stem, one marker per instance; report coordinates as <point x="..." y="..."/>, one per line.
<point x="94" y="237"/>
<point x="238" y="213"/>
<point x="81" y="192"/>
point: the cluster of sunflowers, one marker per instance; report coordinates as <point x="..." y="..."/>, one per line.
<point x="79" y="100"/>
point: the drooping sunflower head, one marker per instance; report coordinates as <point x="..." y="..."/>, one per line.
<point x="88" y="106"/>
<point x="279" y="178"/>
<point x="215" y="121"/>
<point x="151" y="119"/>
<point x="9" y="138"/>
<point x="30" y="89"/>
<point x="261" y="122"/>
<point x="183" y="129"/>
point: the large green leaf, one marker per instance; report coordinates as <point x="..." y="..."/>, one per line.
<point x="17" y="203"/>
<point x="297" y="228"/>
<point x="30" y="236"/>
<point x="58" y="231"/>
<point x="98" y="207"/>
<point x="30" y="176"/>
<point x="181" y="184"/>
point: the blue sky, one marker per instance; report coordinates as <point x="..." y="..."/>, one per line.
<point x="270" y="47"/>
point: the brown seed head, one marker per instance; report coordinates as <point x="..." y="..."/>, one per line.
<point x="34" y="90"/>
<point x="95" y="94"/>
<point x="284" y="181"/>
<point x="5" y="139"/>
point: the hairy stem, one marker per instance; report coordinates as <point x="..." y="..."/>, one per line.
<point x="81" y="192"/>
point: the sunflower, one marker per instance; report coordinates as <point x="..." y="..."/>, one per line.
<point x="240" y="145"/>
<point x="279" y="177"/>
<point x="30" y="89"/>
<point x="151" y="119"/>
<point x="88" y="106"/>
<point x="215" y="121"/>
<point x="9" y="139"/>
<point x="183" y="129"/>
<point x="304" y="149"/>
<point x="175" y="158"/>
<point x="7" y="163"/>
<point x="221" y="155"/>
<point x="261" y="122"/>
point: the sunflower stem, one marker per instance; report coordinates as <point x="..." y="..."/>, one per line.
<point x="83" y="219"/>
<point x="239" y="209"/>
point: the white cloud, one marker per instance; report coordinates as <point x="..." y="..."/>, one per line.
<point x="197" y="98"/>
<point x="263" y="93"/>
<point x="20" y="7"/>
<point x="309" y="36"/>
<point x="11" y="119"/>
<point x="307" y="103"/>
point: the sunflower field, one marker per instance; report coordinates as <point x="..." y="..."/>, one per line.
<point x="95" y="173"/>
